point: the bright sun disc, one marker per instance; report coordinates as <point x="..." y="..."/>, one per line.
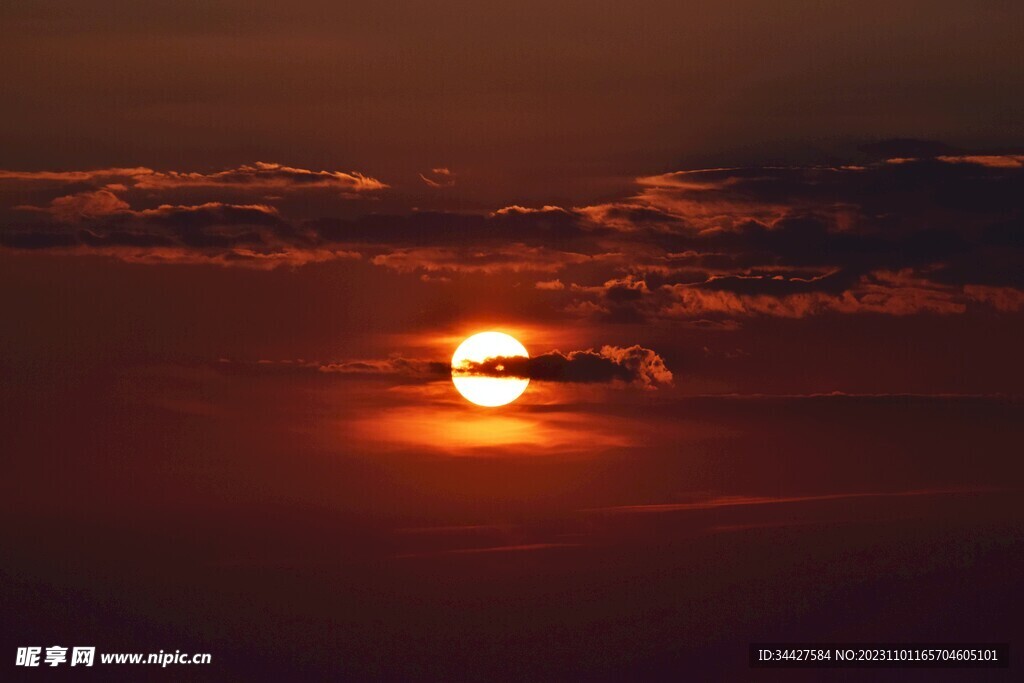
<point x="488" y="391"/>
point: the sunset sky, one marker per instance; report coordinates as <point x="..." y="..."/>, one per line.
<point x="767" y="260"/>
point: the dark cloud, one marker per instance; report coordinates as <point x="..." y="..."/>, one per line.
<point x="36" y="239"/>
<point x="549" y="226"/>
<point x="438" y="178"/>
<point x="211" y="214"/>
<point x="715" y="303"/>
<point x="634" y="365"/>
<point x="516" y="258"/>
<point x="100" y="214"/>
<point x="123" y="238"/>
<point x="631" y="365"/>
<point x="392" y="366"/>
<point x="957" y="192"/>
<point x="906" y="148"/>
<point x="881" y="292"/>
<point x="100" y="221"/>
<point x="898" y="236"/>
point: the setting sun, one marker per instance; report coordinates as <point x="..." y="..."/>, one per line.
<point x="488" y="391"/>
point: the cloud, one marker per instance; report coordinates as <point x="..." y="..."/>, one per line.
<point x="989" y="160"/>
<point x="549" y="285"/>
<point x="956" y="193"/>
<point x="392" y="367"/>
<point x="745" y="501"/>
<point x="936" y="235"/>
<point x="891" y="293"/>
<point x="514" y="258"/>
<point x="906" y="148"/>
<point x="69" y="177"/>
<point x="547" y="227"/>
<point x="263" y="176"/>
<point x="939" y="234"/>
<point x="83" y="205"/>
<point x="518" y="548"/>
<point x="427" y="243"/>
<point x="1006" y="299"/>
<point x="438" y="178"/>
<point x="633" y="365"/>
<point x="717" y="302"/>
<point x="38" y="239"/>
<point x="150" y="252"/>
<point x="97" y="218"/>
<point x="214" y="232"/>
<point x="260" y="176"/>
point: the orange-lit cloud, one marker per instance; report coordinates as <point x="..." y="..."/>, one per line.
<point x="438" y="178"/>
<point x="512" y="258"/>
<point x="883" y="292"/>
<point x="550" y="285"/>
<point x="989" y="160"/>
<point x="1007" y="299"/>
<point x="263" y="176"/>
<point x="259" y="176"/>
<point x="92" y="204"/>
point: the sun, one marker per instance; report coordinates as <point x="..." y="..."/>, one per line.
<point x="488" y="391"/>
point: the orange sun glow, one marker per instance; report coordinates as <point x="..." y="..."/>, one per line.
<point x="488" y="391"/>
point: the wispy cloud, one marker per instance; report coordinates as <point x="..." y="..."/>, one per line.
<point x="257" y="176"/>
<point x="745" y="501"/>
<point x="520" y="548"/>
<point x="438" y="178"/>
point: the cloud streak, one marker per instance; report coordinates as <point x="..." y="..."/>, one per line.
<point x="633" y="365"/>
<point x="260" y="175"/>
<point x="438" y="178"/>
<point x="747" y="501"/>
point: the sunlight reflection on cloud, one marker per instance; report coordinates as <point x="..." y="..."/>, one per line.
<point x="456" y="430"/>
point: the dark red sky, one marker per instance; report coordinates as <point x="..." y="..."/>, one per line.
<point x="530" y="102"/>
<point x="767" y="257"/>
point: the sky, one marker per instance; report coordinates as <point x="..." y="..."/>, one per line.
<point x="767" y="261"/>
